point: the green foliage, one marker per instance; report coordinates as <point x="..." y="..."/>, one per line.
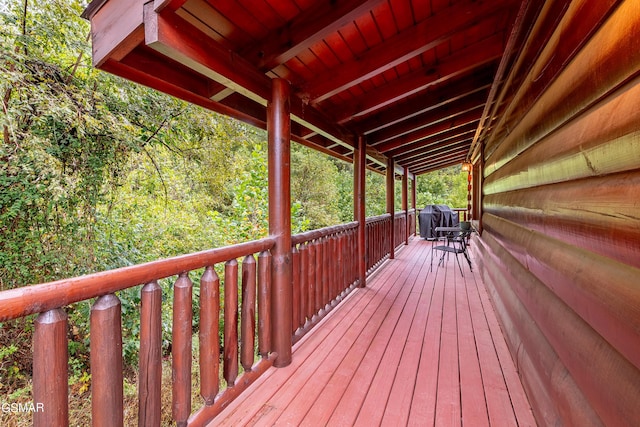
<point x="443" y="187"/>
<point x="98" y="173"/>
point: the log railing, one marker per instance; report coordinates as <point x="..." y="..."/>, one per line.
<point x="461" y="212"/>
<point x="377" y="241"/>
<point x="325" y="270"/>
<point x="400" y="231"/>
<point x="412" y="222"/>
<point x="50" y="358"/>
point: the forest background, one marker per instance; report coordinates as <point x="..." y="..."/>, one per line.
<point x="98" y="173"/>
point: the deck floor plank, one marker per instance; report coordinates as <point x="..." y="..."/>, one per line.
<point x="474" y="405"/>
<point x="413" y="348"/>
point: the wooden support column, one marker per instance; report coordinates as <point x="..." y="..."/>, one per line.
<point x="359" y="211"/>
<point x="391" y="205"/>
<point x="405" y="203"/>
<point x="414" y="181"/>
<point x="413" y="192"/>
<point x="279" y="130"/>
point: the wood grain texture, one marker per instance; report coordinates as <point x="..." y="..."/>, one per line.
<point x="358" y="367"/>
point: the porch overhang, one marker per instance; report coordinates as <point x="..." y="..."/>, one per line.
<point x="413" y="77"/>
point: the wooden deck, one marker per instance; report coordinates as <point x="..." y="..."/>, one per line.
<point x="413" y="348"/>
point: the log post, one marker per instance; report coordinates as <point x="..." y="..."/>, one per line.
<point x="391" y="206"/>
<point x="106" y="362"/>
<point x="359" y="211"/>
<point x="279" y="155"/>
<point x="50" y="370"/>
<point x="405" y="203"/>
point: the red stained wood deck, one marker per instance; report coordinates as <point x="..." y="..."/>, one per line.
<point x="413" y="348"/>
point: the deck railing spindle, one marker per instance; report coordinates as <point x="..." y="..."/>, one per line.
<point x="231" y="322"/>
<point x="295" y="279"/>
<point x="304" y="283"/>
<point x="248" y="318"/>
<point x="106" y="362"/>
<point x="150" y="356"/>
<point x="264" y="303"/>
<point x="50" y="369"/>
<point x="209" y="335"/>
<point x="181" y="348"/>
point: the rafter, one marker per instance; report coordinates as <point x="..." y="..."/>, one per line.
<point x="469" y="119"/>
<point x="421" y="147"/>
<point x="175" y="38"/>
<point x="304" y="31"/>
<point x="408" y="44"/>
<point x="448" y="112"/>
<point x="455" y="90"/>
<point x="463" y="61"/>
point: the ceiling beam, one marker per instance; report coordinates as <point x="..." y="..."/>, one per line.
<point x="459" y="148"/>
<point x="441" y="165"/>
<point x="446" y="138"/>
<point x="448" y="112"/>
<point x="440" y="96"/>
<point x="459" y="63"/>
<point x="307" y="29"/>
<point x="175" y="38"/>
<point x="408" y="44"/>
<point x="416" y="138"/>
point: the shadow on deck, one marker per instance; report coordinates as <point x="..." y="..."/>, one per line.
<point x="413" y="348"/>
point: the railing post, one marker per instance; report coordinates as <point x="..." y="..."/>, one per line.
<point x="150" y="375"/>
<point x="391" y="205"/>
<point x="106" y="362"/>
<point x="279" y="145"/>
<point x="405" y="203"/>
<point x="50" y="370"/>
<point x="359" y="212"/>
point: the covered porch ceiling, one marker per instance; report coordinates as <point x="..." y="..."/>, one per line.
<point x="416" y="78"/>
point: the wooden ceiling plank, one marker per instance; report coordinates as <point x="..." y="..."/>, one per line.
<point x="457" y="151"/>
<point x="421" y="147"/>
<point x="445" y="158"/>
<point x="442" y="165"/>
<point x="463" y="120"/>
<point x="306" y="30"/>
<point x="436" y="115"/>
<point x="474" y="85"/>
<point x="398" y="49"/>
<point x="475" y="56"/>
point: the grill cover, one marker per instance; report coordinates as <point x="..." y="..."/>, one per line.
<point x="433" y="216"/>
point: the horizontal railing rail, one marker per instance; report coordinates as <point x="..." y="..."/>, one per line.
<point x="324" y="272"/>
<point x="50" y="355"/>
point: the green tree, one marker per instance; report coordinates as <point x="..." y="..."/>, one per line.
<point x="442" y="187"/>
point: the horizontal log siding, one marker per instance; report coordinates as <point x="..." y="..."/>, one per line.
<point x="560" y="249"/>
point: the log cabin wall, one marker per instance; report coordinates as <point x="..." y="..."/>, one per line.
<point x="560" y="245"/>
